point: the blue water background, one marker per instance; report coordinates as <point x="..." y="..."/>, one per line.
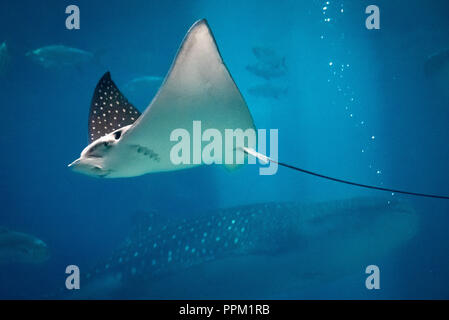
<point x="376" y="77"/>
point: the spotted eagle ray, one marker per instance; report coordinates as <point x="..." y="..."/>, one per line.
<point x="198" y="87"/>
<point x="251" y="251"/>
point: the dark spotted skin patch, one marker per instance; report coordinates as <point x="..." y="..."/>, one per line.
<point x="109" y="109"/>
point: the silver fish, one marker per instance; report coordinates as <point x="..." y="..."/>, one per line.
<point x="269" y="65"/>
<point x="59" y="56"/>
<point x="437" y="71"/>
<point x="267" y="72"/>
<point x="141" y="90"/>
<point x="436" y="62"/>
<point x="144" y="83"/>
<point x="267" y="90"/>
<point x="17" y="247"/>
<point x="4" y="58"/>
<point x="268" y="56"/>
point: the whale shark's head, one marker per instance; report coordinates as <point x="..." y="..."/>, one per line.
<point x="95" y="159"/>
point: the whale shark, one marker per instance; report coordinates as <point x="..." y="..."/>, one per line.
<point x="250" y="251"/>
<point x="198" y="87"/>
<point x="18" y="247"/>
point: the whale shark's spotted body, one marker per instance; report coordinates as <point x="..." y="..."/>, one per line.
<point x="162" y="248"/>
<point x="293" y="240"/>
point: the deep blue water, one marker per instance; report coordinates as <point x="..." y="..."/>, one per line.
<point x="358" y="106"/>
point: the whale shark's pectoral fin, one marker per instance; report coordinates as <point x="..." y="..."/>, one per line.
<point x="198" y="87"/>
<point x="109" y="109"/>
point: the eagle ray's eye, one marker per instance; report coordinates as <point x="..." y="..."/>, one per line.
<point x="117" y="135"/>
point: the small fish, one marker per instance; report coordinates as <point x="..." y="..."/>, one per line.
<point x="144" y="83"/>
<point x="268" y="56"/>
<point x="60" y="56"/>
<point x="4" y="57"/>
<point x="267" y="90"/>
<point x="267" y="71"/>
<point x="436" y="69"/>
<point x="436" y="62"/>
<point x="17" y="247"/>
<point x="141" y="90"/>
<point x="269" y="65"/>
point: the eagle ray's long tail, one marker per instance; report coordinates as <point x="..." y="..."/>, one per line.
<point x="267" y="159"/>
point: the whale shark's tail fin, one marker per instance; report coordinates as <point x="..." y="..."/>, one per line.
<point x="109" y="109"/>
